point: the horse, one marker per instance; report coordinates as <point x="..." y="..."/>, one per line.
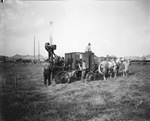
<point x="108" y="67"/>
<point x="125" y="67"/>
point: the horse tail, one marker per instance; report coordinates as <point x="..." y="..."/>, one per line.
<point x="99" y="69"/>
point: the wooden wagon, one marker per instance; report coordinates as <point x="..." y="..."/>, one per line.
<point x="70" y="72"/>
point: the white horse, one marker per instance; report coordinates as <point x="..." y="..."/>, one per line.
<point x="108" y="67"/>
<point x="125" y="68"/>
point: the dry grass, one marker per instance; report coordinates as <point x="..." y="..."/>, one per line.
<point x="120" y="99"/>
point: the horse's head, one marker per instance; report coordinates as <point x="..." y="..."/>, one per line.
<point x="129" y="61"/>
<point x="126" y="62"/>
<point x="99" y="60"/>
<point x="118" y="61"/>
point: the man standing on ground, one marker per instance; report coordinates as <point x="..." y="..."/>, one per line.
<point x="46" y="72"/>
<point x="83" y="70"/>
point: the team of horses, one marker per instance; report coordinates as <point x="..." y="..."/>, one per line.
<point x="110" y="68"/>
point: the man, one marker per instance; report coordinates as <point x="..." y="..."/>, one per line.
<point x="46" y="72"/>
<point x="83" y="70"/>
<point x="88" y="48"/>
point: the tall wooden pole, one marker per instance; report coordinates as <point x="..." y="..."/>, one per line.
<point x="51" y="53"/>
<point x="51" y="32"/>
<point x="34" y="49"/>
<point x="38" y="51"/>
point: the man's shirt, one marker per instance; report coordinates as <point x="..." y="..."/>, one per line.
<point x="88" y="48"/>
<point x="83" y="66"/>
<point x="46" y="66"/>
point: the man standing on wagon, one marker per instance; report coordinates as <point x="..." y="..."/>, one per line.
<point x="88" y="48"/>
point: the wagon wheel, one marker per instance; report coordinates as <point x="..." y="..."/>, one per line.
<point x="62" y="77"/>
<point x="77" y="74"/>
<point x="74" y="76"/>
<point x="90" y="76"/>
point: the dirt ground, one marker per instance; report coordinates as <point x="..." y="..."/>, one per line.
<point x="23" y="96"/>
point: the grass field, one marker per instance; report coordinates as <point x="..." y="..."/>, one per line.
<point x="25" y="98"/>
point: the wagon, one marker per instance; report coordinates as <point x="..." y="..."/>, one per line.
<point x="68" y="70"/>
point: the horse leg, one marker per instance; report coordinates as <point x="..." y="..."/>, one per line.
<point x="123" y="73"/>
<point x="115" y="74"/>
<point x="104" y="77"/>
<point x="126" y="73"/>
<point x="110" y="75"/>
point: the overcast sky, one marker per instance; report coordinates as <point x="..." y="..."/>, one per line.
<point x="113" y="27"/>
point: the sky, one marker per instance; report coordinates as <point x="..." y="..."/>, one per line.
<point x="113" y="27"/>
